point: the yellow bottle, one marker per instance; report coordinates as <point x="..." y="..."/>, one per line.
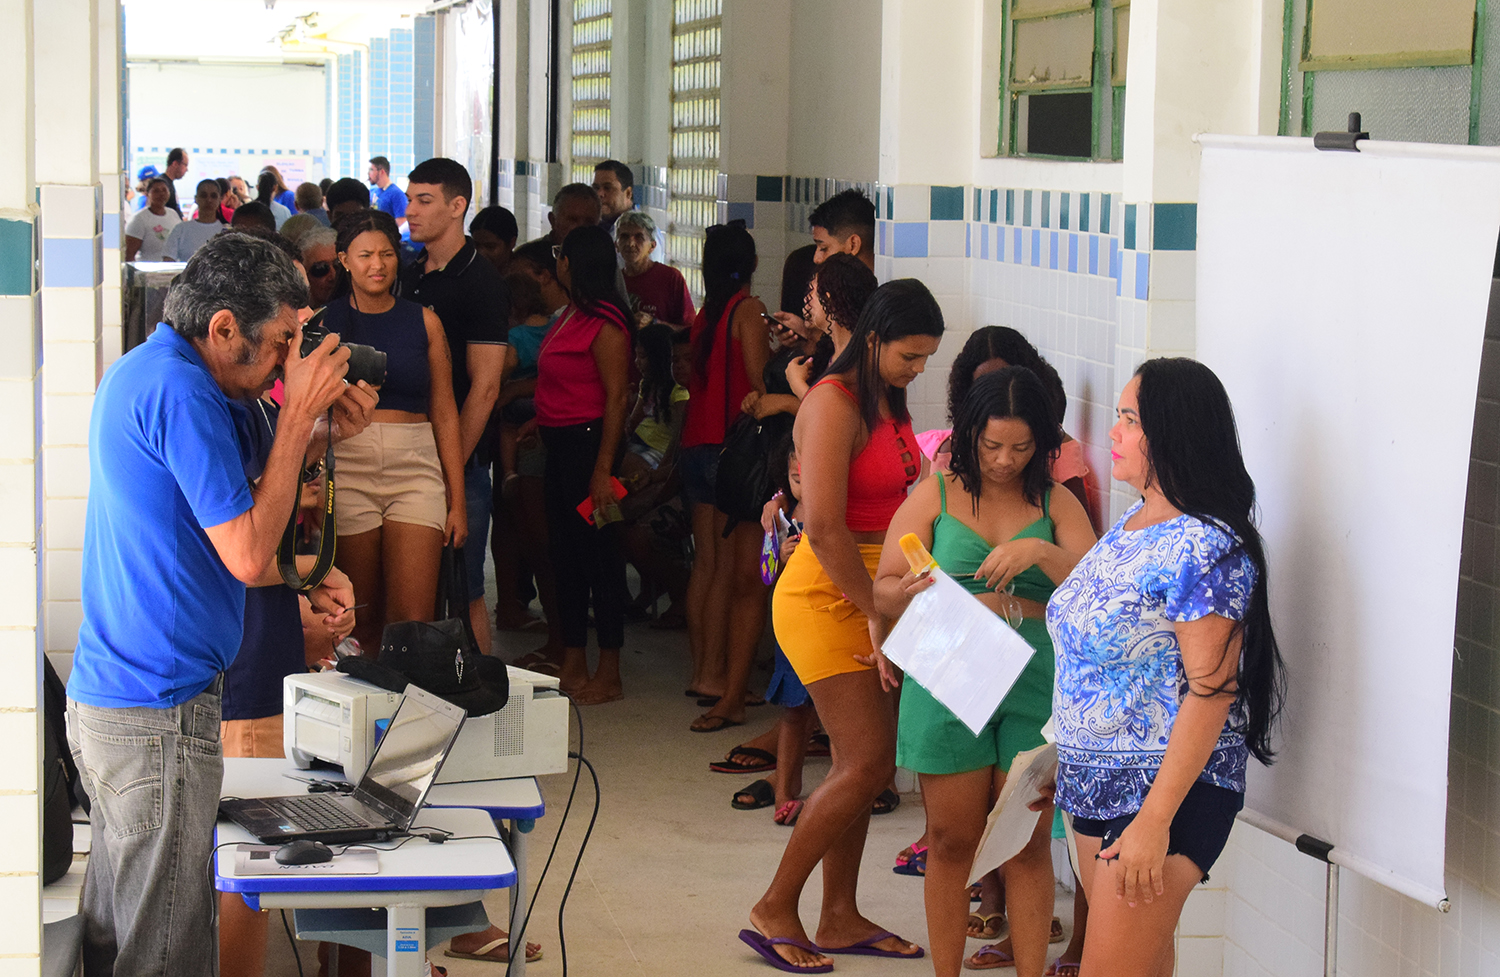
<point x="916" y="554"/>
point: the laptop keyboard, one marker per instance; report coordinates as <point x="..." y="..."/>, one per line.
<point x="318" y="814"/>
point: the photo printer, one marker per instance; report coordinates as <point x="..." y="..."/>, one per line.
<point x="332" y="717"/>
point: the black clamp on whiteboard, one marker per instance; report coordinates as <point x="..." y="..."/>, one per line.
<point x="1343" y="142"/>
<point x="1316" y="847"/>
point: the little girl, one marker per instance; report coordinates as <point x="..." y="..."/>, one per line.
<point x="785" y="689"/>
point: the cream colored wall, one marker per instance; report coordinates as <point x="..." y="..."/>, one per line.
<point x="834" y="96"/>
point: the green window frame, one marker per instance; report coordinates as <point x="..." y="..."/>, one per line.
<point x="1299" y="55"/>
<point x="1032" y="29"/>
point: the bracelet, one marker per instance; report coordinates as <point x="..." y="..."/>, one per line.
<point x="779" y="494"/>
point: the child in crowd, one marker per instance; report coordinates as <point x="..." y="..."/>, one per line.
<point x="785" y="689"/>
<point x="530" y="319"/>
<point x="656" y="525"/>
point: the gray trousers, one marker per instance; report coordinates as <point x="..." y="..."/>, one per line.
<point x="153" y="776"/>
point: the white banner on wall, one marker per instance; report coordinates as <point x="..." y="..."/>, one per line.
<point x="1342" y="300"/>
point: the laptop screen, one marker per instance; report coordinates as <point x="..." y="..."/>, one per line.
<point x="406" y="762"/>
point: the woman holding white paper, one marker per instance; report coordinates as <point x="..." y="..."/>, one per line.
<point x="1168" y="674"/>
<point x="996" y="524"/>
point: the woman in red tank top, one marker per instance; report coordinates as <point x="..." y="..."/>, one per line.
<point x="726" y="600"/>
<point x="854" y="439"/>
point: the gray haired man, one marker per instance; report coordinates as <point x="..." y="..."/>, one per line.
<point x="173" y="534"/>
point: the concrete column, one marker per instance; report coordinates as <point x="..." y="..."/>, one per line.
<point x="20" y="718"/>
<point x="66" y="93"/>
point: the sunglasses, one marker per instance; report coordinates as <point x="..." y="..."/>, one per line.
<point x="320" y="269"/>
<point x="556" y="251"/>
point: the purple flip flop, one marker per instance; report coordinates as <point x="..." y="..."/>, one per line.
<point x="867" y="948"/>
<point x="766" y="947"/>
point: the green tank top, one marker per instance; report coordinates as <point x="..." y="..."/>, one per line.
<point x="958" y="549"/>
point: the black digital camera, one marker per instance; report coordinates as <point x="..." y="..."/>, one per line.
<point x="365" y="362"/>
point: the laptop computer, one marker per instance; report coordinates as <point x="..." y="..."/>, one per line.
<point x="389" y="795"/>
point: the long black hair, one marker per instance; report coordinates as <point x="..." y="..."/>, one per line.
<point x="728" y="262"/>
<point x="351" y="227"/>
<point x="655" y="341"/>
<point x="844" y="284"/>
<point x="596" y="287"/>
<point x="1003" y="343"/>
<point x="1193" y="450"/>
<point x="1012" y="392"/>
<point x="896" y="310"/>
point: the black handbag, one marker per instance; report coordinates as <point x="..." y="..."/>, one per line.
<point x="743" y="484"/>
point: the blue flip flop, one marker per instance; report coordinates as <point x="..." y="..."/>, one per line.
<point x="867" y="948"/>
<point x="766" y="947"/>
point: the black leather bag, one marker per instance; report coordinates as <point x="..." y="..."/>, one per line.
<point x="743" y="484"/>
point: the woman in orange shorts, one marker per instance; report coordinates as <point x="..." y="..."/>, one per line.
<point x="859" y="455"/>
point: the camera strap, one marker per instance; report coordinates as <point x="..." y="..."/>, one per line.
<point x="286" y="553"/>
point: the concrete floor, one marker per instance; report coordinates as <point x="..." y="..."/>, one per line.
<point x="671" y="870"/>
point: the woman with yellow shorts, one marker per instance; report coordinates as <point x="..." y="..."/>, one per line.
<point x="996" y="524"/>
<point x="854" y="439"/>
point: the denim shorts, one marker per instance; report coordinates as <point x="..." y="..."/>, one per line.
<point x="699" y="467"/>
<point x="479" y="500"/>
<point x="1199" y="830"/>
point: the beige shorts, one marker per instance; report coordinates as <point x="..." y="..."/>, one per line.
<point x="388" y="473"/>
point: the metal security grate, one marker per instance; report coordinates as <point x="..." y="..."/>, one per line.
<point x="693" y="170"/>
<point x="593" y="37"/>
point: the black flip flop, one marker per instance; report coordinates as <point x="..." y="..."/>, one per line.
<point x="761" y="761"/>
<point x="761" y="792"/>
<point x="886" y="802"/>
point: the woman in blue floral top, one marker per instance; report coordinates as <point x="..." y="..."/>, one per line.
<point x="1168" y="674"/>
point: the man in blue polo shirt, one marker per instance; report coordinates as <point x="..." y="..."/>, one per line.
<point x="385" y="195"/>
<point x="174" y="532"/>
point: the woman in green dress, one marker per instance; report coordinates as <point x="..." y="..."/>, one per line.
<point x="996" y="525"/>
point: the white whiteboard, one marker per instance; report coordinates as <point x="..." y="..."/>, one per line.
<point x="1342" y="300"/>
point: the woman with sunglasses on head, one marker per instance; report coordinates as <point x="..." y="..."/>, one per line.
<point x="582" y="398"/>
<point x="400" y="484"/>
<point x="854" y="439"/>
<point x="996" y="523"/>
<point x="1168" y="674"/>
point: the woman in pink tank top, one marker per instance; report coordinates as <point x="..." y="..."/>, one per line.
<point x="826" y="622"/>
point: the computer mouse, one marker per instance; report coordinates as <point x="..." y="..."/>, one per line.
<point x="304" y="852"/>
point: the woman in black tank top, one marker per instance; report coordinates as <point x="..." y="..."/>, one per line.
<point x="400" y="483"/>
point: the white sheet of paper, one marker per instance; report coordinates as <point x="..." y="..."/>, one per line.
<point x="958" y="649"/>
<point x="1012" y="822"/>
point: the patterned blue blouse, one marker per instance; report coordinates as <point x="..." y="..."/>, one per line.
<point x="1119" y="669"/>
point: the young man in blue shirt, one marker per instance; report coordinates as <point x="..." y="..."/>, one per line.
<point x="173" y="534"/>
<point x="386" y="195"/>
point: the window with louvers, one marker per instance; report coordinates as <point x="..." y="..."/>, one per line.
<point x="693" y="169"/>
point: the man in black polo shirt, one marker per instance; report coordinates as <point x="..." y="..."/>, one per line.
<point x="466" y="292"/>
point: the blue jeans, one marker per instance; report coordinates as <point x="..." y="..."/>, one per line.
<point x="153" y="777"/>
<point x="478" y="499"/>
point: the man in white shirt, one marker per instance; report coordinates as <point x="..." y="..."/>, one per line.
<point x="187" y="237"/>
<point x="147" y="231"/>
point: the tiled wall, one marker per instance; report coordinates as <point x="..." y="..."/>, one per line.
<point x="425" y="68"/>
<point x="350" y="115"/>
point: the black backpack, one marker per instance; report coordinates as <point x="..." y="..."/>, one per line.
<point x="60" y="781"/>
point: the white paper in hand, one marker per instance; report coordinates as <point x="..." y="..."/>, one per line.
<point x="1012" y="822"/>
<point x="958" y="649"/>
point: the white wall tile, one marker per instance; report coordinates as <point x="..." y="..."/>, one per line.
<point x="68" y="211"/>
<point x="64" y="618"/>
<point x="18" y="663"/>
<point x="913" y="202"/>
<point x="18" y="407"/>
<point x="64" y="574"/>
<point x="19" y="760"/>
<point x="63" y="523"/>
<point x="65" y="470"/>
<point x="65" y="418"/>
<point x="17" y="502"/>
<point x="70" y="314"/>
<point x="70" y="367"/>
<point x="21" y="817"/>
<point x="18" y="598"/>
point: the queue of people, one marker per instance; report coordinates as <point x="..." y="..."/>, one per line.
<point x="560" y="407"/>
